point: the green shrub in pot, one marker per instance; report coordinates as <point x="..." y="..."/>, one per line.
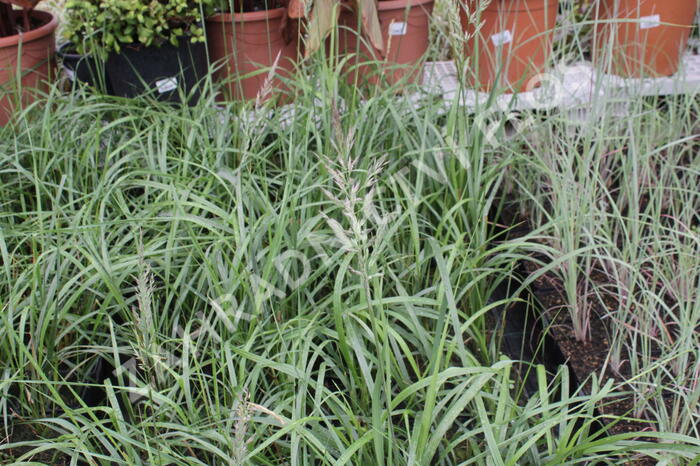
<point x="108" y="25"/>
<point x="155" y="46"/>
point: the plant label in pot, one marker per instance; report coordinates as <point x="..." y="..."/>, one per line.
<point x="163" y="72"/>
<point x="638" y="38"/>
<point x="508" y="42"/>
<point x="404" y="28"/>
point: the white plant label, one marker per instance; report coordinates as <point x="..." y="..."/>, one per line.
<point x="398" y="29"/>
<point x="166" y="85"/>
<point x="648" y="22"/>
<point x="502" y="38"/>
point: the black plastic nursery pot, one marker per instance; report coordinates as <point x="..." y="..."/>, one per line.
<point x="164" y="72"/>
<point x="83" y="68"/>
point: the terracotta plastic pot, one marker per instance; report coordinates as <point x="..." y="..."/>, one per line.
<point x="405" y="28"/>
<point x="29" y="56"/>
<point x="244" y="47"/>
<point x="637" y="38"/>
<point x="513" y="44"/>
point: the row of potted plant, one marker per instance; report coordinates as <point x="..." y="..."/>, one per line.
<point x="165" y="47"/>
<point x="632" y="38"/>
<point x="128" y="47"/>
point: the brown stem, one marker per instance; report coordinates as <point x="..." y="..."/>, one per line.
<point x="25" y="17"/>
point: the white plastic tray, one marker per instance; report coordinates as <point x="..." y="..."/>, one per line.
<point x="566" y="86"/>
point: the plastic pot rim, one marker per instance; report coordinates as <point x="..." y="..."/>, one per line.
<point x="251" y="16"/>
<point x="39" y="33"/>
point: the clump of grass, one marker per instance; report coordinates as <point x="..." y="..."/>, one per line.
<point x="314" y="289"/>
<point x="628" y="211"/>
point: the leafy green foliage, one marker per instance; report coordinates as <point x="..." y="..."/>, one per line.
<point x="102" y="26"/>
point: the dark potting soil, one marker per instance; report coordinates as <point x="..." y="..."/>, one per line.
<point x="596" y="350"/>
<point x="584" y="358"/>
<point x="21" y="432"/>
<point x="588" y="357"/>
<point x="16" y="25"/>
<point x="247" y="6"/>
<point x="520" y="329"/>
